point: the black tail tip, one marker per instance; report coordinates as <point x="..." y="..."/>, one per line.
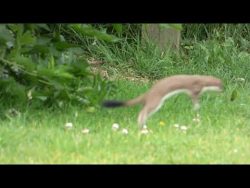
<point x="112" y="104"/>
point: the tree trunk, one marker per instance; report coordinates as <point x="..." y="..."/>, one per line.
<point x="164" y="38"/>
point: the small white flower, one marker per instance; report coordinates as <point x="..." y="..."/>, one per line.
<point x="183" y="128"/>
<point x="235" y="150"/>
<point x="196" y="120"/>
<point x="85" y="131"/>
<point x="144" y="131"/>
<point x="240" y="79"/>
<point x="176" y="125"/>
<point x="115" y="126"/>
<point x="68" y="125"/>
<point x="124" y="131"/>
<point x="144" y="127"/>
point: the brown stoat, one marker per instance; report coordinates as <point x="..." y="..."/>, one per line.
<point x="193" y="85"/>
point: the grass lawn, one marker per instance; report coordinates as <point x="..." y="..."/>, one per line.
<point x="221" y="136"/>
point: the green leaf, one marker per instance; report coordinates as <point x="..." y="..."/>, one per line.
<point x="88" y="30"/>
<point x="90" y="109"/>
<point x="64" y="45"/>
<point x="118" y="28"/>
<point x="40" y="49"/>
<point x="25" y="62"/>
<point x="51" y="62"/>
<point x="234" y="95"/>
<point x="43" y="41"/>
<point x="54" y="52"/>
<point x="44" y="26"/>
<point x="17" y="28"/>
<point x="65" y="75"/>
<point x="5" y="35"/>
<point x="27" y="39"/>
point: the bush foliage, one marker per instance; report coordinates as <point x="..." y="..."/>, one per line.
<point x="42" y="64"/>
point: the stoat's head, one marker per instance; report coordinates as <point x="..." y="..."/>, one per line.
<point x="212" y="83"/>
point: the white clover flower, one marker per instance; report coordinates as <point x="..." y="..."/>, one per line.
<point x="183" y="128"/>
<point x="124" y="131"/>
<point x="176" y="125"/>
<point x="115" y="126"/>
<point x="196" y="120"/>
<point x="68" y="125"/>
<point x="85" y="131"/>
<point x="144" y="131"/>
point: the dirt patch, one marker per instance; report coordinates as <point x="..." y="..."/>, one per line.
<point x="97" y="68"/>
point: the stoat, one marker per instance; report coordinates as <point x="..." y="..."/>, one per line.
<point x="193" y="85"/>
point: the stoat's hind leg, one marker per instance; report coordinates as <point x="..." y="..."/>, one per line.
<point x="196" y="105"/>
<point x="195" y="99"/>
<point x="142" y="118"/>
<point x="148" y="110"/>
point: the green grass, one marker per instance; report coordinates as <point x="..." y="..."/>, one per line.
<point x="223" y="135"/>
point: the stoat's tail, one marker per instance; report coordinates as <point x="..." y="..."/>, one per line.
<point x="114" y="103"/>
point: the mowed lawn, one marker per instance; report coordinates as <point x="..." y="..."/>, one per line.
<point x="220" y="135"/>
